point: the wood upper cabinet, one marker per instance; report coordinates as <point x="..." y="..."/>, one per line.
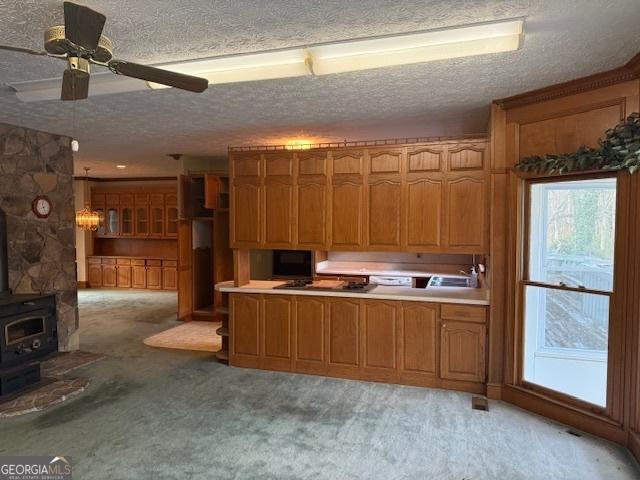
<point x="141" y="215"/>
<point x="423" y="215"/>
<point x="311" y="200"/>
<point x="347" y="200"/>
<point x="171" y="215"/>
<point x="276" y="332"/>
<point x="380" y="337"/>
<point x="244" y="329"/>
<point x="466" y="217"/>
<point x="246" y="200"/>
<point x="277" y="200"/>
<point x="467" y="157"/>
<point x="343" y="336"/>
<point x="309" y="335"/>
<point x="419" y="340"/>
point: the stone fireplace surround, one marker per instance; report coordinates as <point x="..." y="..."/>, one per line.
<point x="41" y="251"/>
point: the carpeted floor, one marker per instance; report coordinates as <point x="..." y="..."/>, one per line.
<point x="168" y="414"/>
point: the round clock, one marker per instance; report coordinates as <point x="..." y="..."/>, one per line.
<point x="41" y="206"/>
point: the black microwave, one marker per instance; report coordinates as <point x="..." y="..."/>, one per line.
<point x="292" y="264"/>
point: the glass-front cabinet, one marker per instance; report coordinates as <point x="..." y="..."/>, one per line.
<point x="142" y="221"/>
<point x="157" y="220"/>
<point x="127" y="220"/>
<point x="112" y="221"/>
<point x="172" y="221"/>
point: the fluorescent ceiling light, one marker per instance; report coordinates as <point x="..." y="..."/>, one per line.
<point x="319" y="59"/>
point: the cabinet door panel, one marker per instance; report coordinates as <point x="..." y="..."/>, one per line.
<point x="420" y="345"/>
<point x="312" y="215"/>
<point x="309" y="330"/>
<point x="384" y="215"/>
<point x="380" y="321"/>
<point x="95" y="275"/>
<point x="466" y="213"/>
<point x="277" y="320"/>
<point x="138" y="277"/>
<point x="246" y="215"/>
<point x="343" y="336"/>
<point x="346" y="212"/>
<point x="466" y="157"/>
<point x="384" y="161"/>
<point x="278" y="214"/>
<point x="462" y="351"/>
<point x="169" y="278"/>
<point x="423" y="213"/>
<point x="154" y="278"/>
<point x="245" y="321"/>
<point x="124" y="276"/>
<point x="109" y="276"/>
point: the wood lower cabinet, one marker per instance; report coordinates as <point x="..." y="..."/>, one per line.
<point x="414" y="343"/>
<point x="126" y="272"/>
<point x="139" y="276"/>
<point x="308" y="336"/>
<point x="419" y="341"/>
<point x="109" y="275"/>
<point x="276" y="323"/>
<point x="244" y="330"/>
<point x="463" y="351"/>
<point x="380" y="338"/>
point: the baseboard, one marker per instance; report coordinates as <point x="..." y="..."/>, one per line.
<point x="494" y="391"/>
<point x="573" y="416"/>
<point x="83" y="284"/>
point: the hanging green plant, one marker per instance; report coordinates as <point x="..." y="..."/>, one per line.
<point x="620" y="149"/>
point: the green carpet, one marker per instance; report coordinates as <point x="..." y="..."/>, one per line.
<point x="167" y="414"/>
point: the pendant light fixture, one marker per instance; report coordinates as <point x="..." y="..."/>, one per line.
<point x="88" y="219"/>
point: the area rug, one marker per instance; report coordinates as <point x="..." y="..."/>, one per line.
<point x="195" y="335"/>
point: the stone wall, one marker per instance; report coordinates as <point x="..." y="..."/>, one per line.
<point x="41" y="251"/>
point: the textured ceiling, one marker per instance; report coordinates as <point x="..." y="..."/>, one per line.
<point x="564" y="40"/>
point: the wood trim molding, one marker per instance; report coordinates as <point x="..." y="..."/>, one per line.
<point x="127" y="179"/>
<point x="625" y="73"/>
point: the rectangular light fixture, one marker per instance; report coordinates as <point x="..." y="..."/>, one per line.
<point x="318" y="59"/>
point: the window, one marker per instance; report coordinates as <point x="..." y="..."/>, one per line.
<point x="567" y="286"/>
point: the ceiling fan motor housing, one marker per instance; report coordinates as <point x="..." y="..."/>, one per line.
<point x="56" y="43"/>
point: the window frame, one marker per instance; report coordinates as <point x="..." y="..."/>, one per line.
<point x="524" y="282"/>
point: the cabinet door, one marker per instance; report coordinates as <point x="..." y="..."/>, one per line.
<point x="244" y="330"/>
<point x="142" y="221"/>
<point x="171" y="226"/>
<point x="95" y="275"/>
<point x="419" y="341"/>
<point x="109" y="276"/>
<point x="311" y="201"/>
<point x="423" y="213"/>
<point x="384" y="213"/>
<point x="343" y="337"/>
<point x="154" y="278"/>
<point x="346" y="215"/>
<point x="126" y="220"/>
<point x="462" y="355"/>
<point x="308" y="344"/>
<point x="138" y="277"/>
<point x="156" y="212"/>
<point x="379" y="339"/>
<point x="169" y="278"/>
<point x="278" y="214"/>
<point x="124" y="276"/>
<point x="466" y="213"/>
<point x="245" y="217"/>
<point x="112" y="221"/>
<point x="211" y="191"/>
<point x="277" y="323"/>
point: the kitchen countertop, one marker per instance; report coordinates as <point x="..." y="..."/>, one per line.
<point x="470" y="296"/>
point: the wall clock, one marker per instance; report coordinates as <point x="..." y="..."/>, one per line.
<point x="41" y="206"/>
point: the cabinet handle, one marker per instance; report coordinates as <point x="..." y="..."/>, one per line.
<point x="444" y="325"/>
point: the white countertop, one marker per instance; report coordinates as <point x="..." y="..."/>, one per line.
<point x="470" y="296"/>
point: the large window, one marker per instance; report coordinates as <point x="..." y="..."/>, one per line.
<point x="567" y="286"/>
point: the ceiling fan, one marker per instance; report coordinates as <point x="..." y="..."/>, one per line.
<point x="80" y="42"/>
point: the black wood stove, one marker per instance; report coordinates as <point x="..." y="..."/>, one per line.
<point x="27" y="329"/>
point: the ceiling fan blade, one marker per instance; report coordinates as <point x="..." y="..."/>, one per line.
<point x="75" y="85"/>
<point x="22" y="50"/>
<point x="158" y="75"/>
<point x="82" y="25"/>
